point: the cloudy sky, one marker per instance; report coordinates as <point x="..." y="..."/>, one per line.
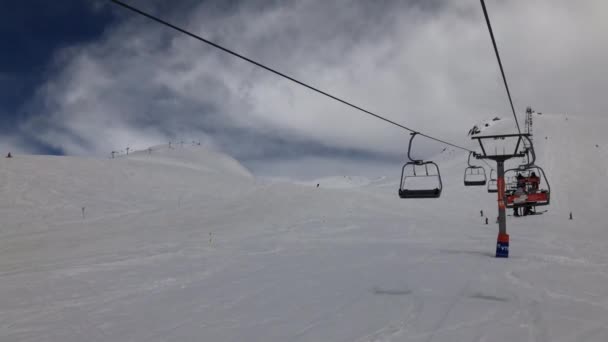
<point x="88" y="77"/>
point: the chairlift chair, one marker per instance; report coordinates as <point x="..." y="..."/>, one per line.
<point x="474" y="175"/>
<point x="419" y="179"/>
<point x="532" y="189"/>
<point x="493" y="182"/>
<point x="533" y="192"/>
<point x="492" y="186"/>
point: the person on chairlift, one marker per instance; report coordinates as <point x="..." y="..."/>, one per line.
<point x="521" y="183"/>
<point x="534" y="181"/>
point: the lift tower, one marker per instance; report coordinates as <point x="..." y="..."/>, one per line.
<point x="529" y="113"/>
<point x="501" y="148"/>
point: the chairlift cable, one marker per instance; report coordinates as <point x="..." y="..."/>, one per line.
<point x="502" y="71"/>
<point x="290" y="78"/>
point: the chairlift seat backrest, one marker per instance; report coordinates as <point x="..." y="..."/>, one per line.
<point x="492" y="186"/>
<point x="474" y="175"/>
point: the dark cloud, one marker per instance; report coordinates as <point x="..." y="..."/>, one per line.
<point x="31" y="33"/>
<point x="428" y="64"/>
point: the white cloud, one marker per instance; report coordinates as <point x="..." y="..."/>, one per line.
<point x="430" y="68"/>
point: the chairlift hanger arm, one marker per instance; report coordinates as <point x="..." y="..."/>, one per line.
<point x="409" y="149"/>
<point x="472" y="153"/>
<point x="532" y="152"/>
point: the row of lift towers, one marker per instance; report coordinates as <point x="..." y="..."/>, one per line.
<point x="524" y="186"/>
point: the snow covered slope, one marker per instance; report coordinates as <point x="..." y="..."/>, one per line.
<point x="576" y="152"/>
<point x="343" y="182"/>
<point x="185" y="245"/>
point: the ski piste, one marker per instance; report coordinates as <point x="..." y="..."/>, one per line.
<point x="185" y="244"/>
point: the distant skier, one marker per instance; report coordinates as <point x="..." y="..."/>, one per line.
<point x="486" y="220"/>
<point x="9" y="155"/>
<point x="571" y="215"/>
<point x="317" y="185"/>
<point x="481" y="213"/>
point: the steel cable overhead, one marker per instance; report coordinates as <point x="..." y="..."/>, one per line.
<point x="502" y="71"/>
<point x="290" y="78"/>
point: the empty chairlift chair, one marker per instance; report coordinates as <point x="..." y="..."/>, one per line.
<point x="474" y="175"/>
<point x="419" y="179"/>
<point x="493" y="182"/>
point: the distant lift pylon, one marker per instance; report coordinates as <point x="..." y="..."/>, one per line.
<point x="419" y="179"/>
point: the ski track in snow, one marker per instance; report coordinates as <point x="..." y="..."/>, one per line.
<point x="183" y="244"/>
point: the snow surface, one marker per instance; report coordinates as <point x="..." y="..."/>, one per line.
<point x="343" y="182"/>
<point x="184" y="244"/>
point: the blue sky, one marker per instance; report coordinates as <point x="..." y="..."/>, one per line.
<point x="32" y="32"/>
<point x="86" y="77"/>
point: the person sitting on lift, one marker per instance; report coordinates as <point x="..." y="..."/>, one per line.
<point x="521" y="181"/>
<point x="534" y="182"/>
<point x="518" y="193"/>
